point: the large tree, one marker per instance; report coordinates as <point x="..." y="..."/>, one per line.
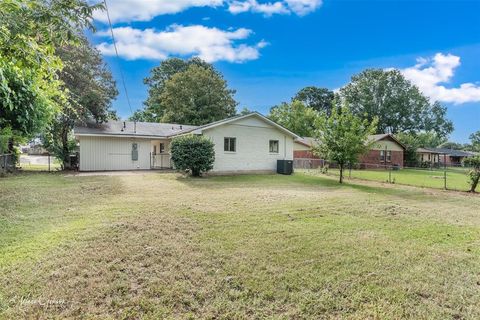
<point x="90" y="88"/>
<point x="30" y="91"/>
<point x="342" y="137"/>
<point x="320" y="99"/>
<point x="196" y="96"/>
<point x="296" y="117"/>
<point x="398" y="104"/>
<point x="159" y="75"/>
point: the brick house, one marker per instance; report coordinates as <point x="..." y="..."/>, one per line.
<point x="386" y="151"/>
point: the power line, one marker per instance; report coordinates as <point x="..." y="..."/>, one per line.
<point x="116" y="52"/>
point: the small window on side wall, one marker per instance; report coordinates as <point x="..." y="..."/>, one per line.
<point x="382" y="155"/>
<point x="389" y="156"/>
<point x="230" y="144"/>
<point x="273" y="146"/>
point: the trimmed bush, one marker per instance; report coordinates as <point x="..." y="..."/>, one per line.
<point x="193" y="153"/>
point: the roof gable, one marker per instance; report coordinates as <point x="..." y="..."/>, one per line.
<point x="255" y="115"/>
<point x="385" y="136"/>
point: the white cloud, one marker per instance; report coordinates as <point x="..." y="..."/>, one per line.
<point x="303" y="7"/>
<point x="210" y="44"/>
<point x="299" y="7"/>
<point x="267" y="9"/>
<point x="430" y="75"/>
<point x="146" y="10"/>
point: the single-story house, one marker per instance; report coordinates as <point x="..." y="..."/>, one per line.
<point x="246" y="143"/>
<point x="303" y="156"/>
<point x="428" y="156"/>
<point x="446" y="156"/>
<point x="385" y="151"/>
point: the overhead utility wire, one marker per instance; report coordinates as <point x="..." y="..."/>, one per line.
<point x="116" y="52"/>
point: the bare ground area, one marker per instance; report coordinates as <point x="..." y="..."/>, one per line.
<point x="153" y="245"/>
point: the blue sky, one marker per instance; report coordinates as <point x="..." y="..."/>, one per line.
<point x="268" y="50"/>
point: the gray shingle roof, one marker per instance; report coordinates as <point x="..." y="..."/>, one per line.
<point x="451" y="152"/>
<point x="116" y="128"/>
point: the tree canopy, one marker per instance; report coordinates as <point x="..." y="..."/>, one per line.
<point x="296" y="117"/>
<point x="154" y="110"/>
<point x="396" y="102"/>
<point x="196" y="96"/>
<point x="30" y="92"/>
<point x="319" y="99"/>
<point x="90" y="90"/>
<point x="342" y="137"/>
<point x="475" y="141"/>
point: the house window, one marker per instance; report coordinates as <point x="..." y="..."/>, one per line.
<point x="389" y="156"/>
<point x="273" y="146"/>
<point x="229" y="144"/>
<point x="382" y="155"/>
<point x="162" y="147"/>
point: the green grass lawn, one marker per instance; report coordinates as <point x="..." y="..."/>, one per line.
<point x="154" y="245"/>
<point x="457" y="178"/>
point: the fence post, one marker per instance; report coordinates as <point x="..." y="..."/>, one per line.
<point x="445" y="171"/>
<point x="49" y="162"/>
<point x="390" y="175"/>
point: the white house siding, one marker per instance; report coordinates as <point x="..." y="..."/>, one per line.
<point x="113" y="153"/>
<point x="252" y="146"/>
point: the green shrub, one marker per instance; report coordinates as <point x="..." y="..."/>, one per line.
<point x="193" y="153"/>
<point x="474" y="173"/>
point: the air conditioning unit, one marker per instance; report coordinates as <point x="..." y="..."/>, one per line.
<point x="285" y="166"/>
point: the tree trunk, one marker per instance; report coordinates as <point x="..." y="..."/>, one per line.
<point x="341" y="173"/>
<point x="475" y="183"/>
<point x="195" y="172"/>
<point x="65" y="150"/>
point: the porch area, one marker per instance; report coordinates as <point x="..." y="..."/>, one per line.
<point x="160" y="157"/>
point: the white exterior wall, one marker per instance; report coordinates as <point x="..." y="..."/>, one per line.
<point x="252" y="146"/>
<point x="113" y="153"/>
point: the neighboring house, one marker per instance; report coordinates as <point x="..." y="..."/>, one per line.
<point x="303" y="156"/>
<point x="247" y="143"/>
<point x="428" y="156"/>
<point x="450" y="157"/>
<point x="386" y="151"/>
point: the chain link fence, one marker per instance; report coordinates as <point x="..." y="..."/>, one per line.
<point x="438" y="177"/>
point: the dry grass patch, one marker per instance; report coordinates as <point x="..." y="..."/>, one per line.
<point x="164" y="246"/>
